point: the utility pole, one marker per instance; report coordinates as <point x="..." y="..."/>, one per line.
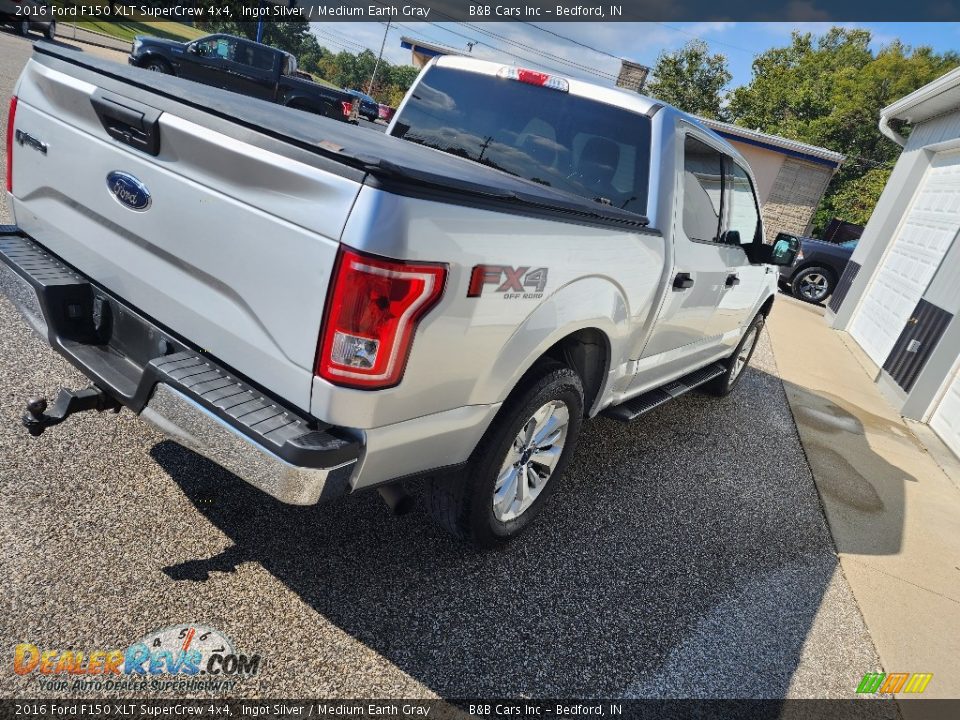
<point x="379" y="57"/>
<point x="260" y="22"/>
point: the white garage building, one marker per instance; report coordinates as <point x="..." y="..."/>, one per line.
<point x="900" y="295"/>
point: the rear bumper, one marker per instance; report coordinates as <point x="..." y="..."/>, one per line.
<point x="178" y="389"/>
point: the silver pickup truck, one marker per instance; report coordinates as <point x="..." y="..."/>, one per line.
<point x="323" y="309"/>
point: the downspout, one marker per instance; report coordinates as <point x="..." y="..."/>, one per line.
<point x="890" y="133"/>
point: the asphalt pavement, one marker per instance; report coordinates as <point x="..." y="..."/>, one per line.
<point x="685" y="555"/>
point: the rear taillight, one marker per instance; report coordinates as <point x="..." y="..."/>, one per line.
<point x="372" y="313"/>
<point x="347" y="108"/>
<point x="11" y="118"/>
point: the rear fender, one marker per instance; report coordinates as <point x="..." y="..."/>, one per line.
<point x="591" y="302"/>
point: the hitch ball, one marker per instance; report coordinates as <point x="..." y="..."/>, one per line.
<point x="36" y="407"/>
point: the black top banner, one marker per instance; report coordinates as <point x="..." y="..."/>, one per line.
<point x="509" y="10"/>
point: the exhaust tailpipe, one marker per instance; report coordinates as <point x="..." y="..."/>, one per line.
<point x="397" y="499"/>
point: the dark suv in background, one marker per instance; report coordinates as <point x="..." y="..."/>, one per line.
<point x="369" y="108"/>
<point x="817" y="269"/>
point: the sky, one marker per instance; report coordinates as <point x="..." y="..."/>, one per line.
<point x="640" y="42"/>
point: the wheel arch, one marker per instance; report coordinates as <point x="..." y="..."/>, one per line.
<point x="585" y="325"/>
<point x="766" y="306"/>
<point x="815" y="264"/>
<point x="587" y="353"/>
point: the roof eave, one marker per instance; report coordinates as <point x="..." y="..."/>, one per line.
<point x="911" y="107"/>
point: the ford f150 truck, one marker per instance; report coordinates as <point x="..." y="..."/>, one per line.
<point x="246" y="67"/>
<point x="323" y="309"/>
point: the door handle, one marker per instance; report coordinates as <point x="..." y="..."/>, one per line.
<point x="682" y="281"/>
<point x="732" y="280"/>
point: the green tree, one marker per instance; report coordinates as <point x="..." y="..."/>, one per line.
<point x="294" y="36"/>
<point x="855" y="199"/>
<point x="691" y="79"/>
<point x="829" y="91"/>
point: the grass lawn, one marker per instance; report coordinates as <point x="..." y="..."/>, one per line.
<point x="126" y="29"/>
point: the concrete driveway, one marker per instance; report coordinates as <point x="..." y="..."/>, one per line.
<point x="685" y="555"/>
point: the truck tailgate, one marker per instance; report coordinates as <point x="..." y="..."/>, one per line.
<point x="233" y="253"/>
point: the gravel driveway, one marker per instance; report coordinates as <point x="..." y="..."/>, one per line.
<point x="683" y="555"/>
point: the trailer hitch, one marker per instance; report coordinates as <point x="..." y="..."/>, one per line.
<point x="36" y="419"/>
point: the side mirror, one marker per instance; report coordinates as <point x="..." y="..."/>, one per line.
<point x="192" y="49"/>
<point x="784" y="249"/>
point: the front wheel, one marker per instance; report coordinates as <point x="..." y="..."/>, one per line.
<point x="516" y="465"/>
<point x="812" y="285"/>
<point x="158" y="66"/>
<point x="738" y="361"/>
<point x="22" y="27"/>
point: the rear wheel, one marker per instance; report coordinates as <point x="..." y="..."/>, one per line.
<point x="738" y="361"/>
<point x="516" y="465"/>
<point x="812" y="284"/>
<point x="51" y="32"/>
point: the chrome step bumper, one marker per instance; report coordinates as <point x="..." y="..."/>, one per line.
<point x="183" y="392"/>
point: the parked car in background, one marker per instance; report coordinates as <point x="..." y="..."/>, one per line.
<point x="817" y="269"/>
<point x="244" y="67"/>
<point x="27" y="15"/>
<point x="387" y="112"/>
<point x="369" y="108"/>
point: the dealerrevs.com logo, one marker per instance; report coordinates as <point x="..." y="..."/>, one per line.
<point x="179" y="658"/>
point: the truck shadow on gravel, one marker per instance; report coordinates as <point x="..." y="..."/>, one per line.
<point x="683" y="555"/>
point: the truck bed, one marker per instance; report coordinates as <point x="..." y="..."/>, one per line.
<point x="397" y="165"/>
<point x="247" y="203"/>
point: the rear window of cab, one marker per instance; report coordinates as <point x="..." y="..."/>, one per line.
<point x="548" y="136"/>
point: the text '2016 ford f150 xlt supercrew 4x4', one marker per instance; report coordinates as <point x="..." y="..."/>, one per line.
<point x="322" y="309"/>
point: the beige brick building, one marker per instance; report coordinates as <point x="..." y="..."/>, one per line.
<point x="791" y="176"/>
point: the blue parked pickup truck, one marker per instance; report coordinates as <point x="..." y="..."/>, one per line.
<point x="244" y="67"/>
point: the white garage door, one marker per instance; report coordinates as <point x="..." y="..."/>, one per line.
<point x="946" y="418"/>
<point x="931" y="223"/>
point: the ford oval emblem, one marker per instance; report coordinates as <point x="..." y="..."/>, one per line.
<point x="129" y="191"/>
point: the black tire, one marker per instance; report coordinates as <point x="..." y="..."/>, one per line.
<point x="158" y="66"/>
<point x="813" y="284"/>
<point x="463" y="505"/>
<point x="22" y="27"/>
<point x="724" y="385"/>
<point x="51" y="32"/>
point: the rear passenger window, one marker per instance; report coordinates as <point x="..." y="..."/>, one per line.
<point x="744" y="218"/>
<point x="702" y="190"/>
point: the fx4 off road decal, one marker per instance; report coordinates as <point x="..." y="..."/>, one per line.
<point x="514" y="283"/>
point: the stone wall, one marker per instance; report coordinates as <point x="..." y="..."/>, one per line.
<point x="633" y="76"/>
<point x="794" y="198"/>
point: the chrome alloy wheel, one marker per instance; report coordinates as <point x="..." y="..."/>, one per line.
<point x="814" y="287"/>
<point x="740" y="362"/>
<point x="530" y="461"/>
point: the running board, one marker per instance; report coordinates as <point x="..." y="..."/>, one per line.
<point x="635" y="407"/>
